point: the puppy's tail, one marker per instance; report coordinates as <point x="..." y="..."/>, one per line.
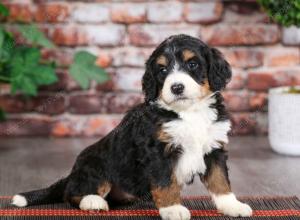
<point x="51" y="194"/>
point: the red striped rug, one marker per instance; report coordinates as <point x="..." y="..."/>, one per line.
<point x="200" y="207"/>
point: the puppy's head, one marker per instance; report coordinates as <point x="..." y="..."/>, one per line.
<point x="183" y="70"/>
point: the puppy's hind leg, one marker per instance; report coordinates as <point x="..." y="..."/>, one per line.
<point x="92" y="199"/>
<point x="96" y="202"/>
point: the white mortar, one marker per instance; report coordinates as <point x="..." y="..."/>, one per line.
<point x="284" y="121"/>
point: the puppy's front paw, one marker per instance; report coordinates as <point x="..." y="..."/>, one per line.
<point x="236" y="209"/>
<point x="175" y="212"/>
<point x="229" y="205"/>
<point x="93" y="202"/>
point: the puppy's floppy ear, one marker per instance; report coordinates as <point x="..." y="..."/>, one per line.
<point x="149" y="85"/>
<point x="219" y="71"/>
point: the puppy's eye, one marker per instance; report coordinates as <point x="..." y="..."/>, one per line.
<point x="163" y="70"/>
<point x="192" y="65"/>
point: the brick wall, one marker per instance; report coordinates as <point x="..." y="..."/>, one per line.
<point x="122" y="34"/>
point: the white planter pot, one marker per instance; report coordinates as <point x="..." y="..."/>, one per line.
<point x="284" y="121"/>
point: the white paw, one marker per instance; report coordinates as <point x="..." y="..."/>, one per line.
<point x="175" y="212"/>
<point x="19" y="201"/>
<point x="236" y="209"/>
<point x="93" y="202"/>
<point x="229" y="205"/>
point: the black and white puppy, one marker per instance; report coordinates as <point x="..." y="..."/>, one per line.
<point x="178" y="133"/>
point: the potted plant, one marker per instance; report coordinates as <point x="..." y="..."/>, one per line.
<point x="284" y="102"/>
<point x="286" y="13"/>
<point x="284" y="120"/>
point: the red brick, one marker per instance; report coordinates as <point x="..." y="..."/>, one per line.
<point x="69" y="36"/>
<point x="258" y="101"/>
<point x="293" y="74"/>
<point x="263" y="80"/>
<point x="47" y="104"/>
<point x="102" y="35"/>
<point x="243" y="57"/>
<point x="87" y="104"/>
<point x="122" y="102"/>
<point x="62" y="57"/>
<point x="226" y="35"/>
<point x="152" y="35"/>
<point x="243" y="124"/>
<point x="90" y="13"/>
<point x="14" y="104"/>
<point x="107" y="86"/>
<point x="85" y="125"/>
<point x="52" y="12"/>
<point x="160" y="12"/>
<point x="282" y="56"/>
<point x="246" y="7"/>
<point x="284" y="77"/>
<point x="105" y="35"/>
<point x="296" y="78"/>
<point x="236" y="100"/>
<point x="26" y="126"/>
<point x="255" y="17"/>
<point x="131" y="56"/>
<point x="128" y="13"/>
<point x="20" y="12"/>
<point x="203" y="12"/>
<point x="238" y="80"/>
<point x="128" y="79"/>
<point x="103" y="103"/>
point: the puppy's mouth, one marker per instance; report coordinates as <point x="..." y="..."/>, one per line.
<point x="179" y="99"/>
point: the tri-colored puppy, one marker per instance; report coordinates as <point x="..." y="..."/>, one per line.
<point x="178" y="133"/>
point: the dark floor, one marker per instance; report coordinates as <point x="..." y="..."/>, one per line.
<point x="30" y="163"/>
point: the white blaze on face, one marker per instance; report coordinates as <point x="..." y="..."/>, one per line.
<point x="192" y="90"/>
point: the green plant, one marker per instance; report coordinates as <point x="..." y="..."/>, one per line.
<point x="293" y="90"/>
<point x="285" y="12"/>
<point x="84" y="62"/>
<point x="22" y="66"/>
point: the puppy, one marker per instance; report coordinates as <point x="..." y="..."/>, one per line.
<point x="177" y="134"/>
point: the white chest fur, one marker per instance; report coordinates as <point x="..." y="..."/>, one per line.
<point x="197" y="133"/>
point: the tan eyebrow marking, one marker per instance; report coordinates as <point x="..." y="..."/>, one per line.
<point x="188" y="54"/>
<point x="162" y="60"/>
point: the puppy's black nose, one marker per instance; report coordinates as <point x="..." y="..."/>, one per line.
<point x="177" y="88"/>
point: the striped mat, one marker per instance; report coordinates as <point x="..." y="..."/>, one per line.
<point x="265" y="208"/>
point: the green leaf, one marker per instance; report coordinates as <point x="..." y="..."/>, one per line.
<point x="2" y="36"/>
<point x="34" y="36"/>
<point x="4" y="10"/>
<point x="98" y="74"/>
<point x="78" y="76"/>
<point x="44" y="75"/>
<point x="284" y="12"/>
<point x="7" y="45"/>
<point x="24" y="84"/>
<point x="83" y="69"/>
<point x="2" y="115"/>
<point x="27" y="74"/>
